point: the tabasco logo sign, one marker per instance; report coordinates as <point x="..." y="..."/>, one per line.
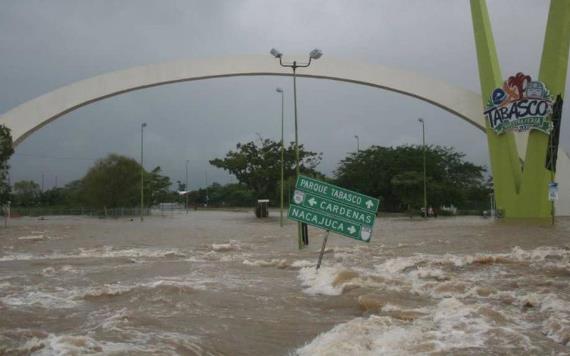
<point x="521" y="104"/>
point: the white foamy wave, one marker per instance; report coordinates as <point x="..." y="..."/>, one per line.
<point x="114" y="290"/>
<point x="429" y="273"/>
<point x="459" y="325"/>
<point x="20" y="257"/>
<point x="110" y="252"/>
<point x="5" y="285"/>
<point x="440" y="276"/>
<point x="557" y="324"/>
<point x="181" y="285"/>
<point x="233" y="245"/>
<point x="375" y="335"/>
<point x="388" y="307"/>
<point x="108" y="319"/>
<point x="105" y="291"/>
<point x="73" y="345"/>
<point x="275" y="262"/>
<point x="52" y="271"/>
<point x="57" y="299"/>
<point x="450" y="326"/>
<point x="302" y="264"/>
<point x="540" y="253"/>
<point x="398" y="264"/>
<point x="33" y="237"/>
<point x="517" y="254"/>
<point x="105" y="252"/>
<point x="327" y="280"/>
<point x="69" y="298"/>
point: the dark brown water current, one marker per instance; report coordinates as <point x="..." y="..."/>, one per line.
<point x="226" y="283"/>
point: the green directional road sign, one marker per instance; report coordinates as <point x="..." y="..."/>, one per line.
<point x="333" y="208"/>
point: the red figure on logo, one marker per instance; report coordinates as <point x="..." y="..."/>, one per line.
<point x="520" y="82"/>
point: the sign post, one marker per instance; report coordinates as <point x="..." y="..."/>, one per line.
<point x="333" y="208"/>
<point x="552" y="191"/>
<point x="552" y="196"/>
<point x="323" y="250"/>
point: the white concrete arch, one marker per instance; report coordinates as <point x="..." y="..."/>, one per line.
<point x="28" y="117"/>
<point x="32" y="115"/>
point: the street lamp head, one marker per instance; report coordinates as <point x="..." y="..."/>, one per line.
<point x="279" y="90"/>
<point x="143" y="124"/>
<point x="316" y="54"/>
<point x="275" y="53"/>
<point x="421" y="120"/>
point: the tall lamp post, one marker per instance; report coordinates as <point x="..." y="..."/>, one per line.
<point x="143" y="125"/>
<point x="424" y="149"/>
<point x="280" y="91"/>
<point x="314" y="54"/>
<point x="206" y="179"/>
<point x="357" y="143"/>
<point x="186" y="187"/>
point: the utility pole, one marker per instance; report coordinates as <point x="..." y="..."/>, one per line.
<point x="357" y="143"/>
<point x="424" y="149"/>
<point x="186" y="187"/>
<point x="280" y="91"/>
<point x="206" y="178"/>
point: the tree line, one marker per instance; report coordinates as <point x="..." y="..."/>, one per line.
<point x="111" y="182"/>
<point x="395" y="175"/>
<point x="392" y="174"/>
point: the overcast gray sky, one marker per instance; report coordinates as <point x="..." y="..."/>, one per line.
<point x="48" y="44"/>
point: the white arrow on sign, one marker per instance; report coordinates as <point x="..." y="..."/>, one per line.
<point x="369" y="204"/>
<point x="312" y="201"/>
<point x="352" y="230"/>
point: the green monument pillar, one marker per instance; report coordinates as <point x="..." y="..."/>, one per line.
<point x="521" y="188"/>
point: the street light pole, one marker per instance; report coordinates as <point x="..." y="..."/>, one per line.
<point x="143" y="125"/>
<point x="186" y="186"/>
<point x="357" y="143"/>
<point x="206" y="179"/>
<point x="314" y="54"/>
<point x="424" y="149"/>
<point x="279" y="90"/>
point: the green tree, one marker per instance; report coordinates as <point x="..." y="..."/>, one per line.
<point x="395" y="175"/>
<point x="233" y="194"/>
<point x="157" y="187"/>
<point x="53" y="197"/>
<point x="112" y="182"/>
<point x="72" y="194"/>
<point x="409" y="187"/>
<point x="115" y="182"/>
<point x="26" y="193"/>
<point x="258" y="165"/>
<point x="6" y="151"/>
<point x="69" y="196"/>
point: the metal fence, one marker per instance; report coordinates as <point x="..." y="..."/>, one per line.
<point x="47" y="211"/>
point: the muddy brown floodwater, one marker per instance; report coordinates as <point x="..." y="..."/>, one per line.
<point x="226" y="283"/>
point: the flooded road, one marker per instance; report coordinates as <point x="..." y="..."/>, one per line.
<point x="226" y="283"/>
